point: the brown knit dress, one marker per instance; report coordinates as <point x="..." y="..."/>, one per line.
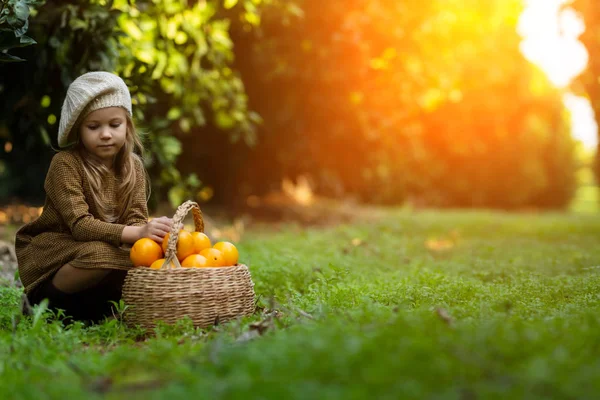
<point x="69" y="229"/>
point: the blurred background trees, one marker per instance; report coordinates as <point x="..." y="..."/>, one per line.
<point x="389" y="100"/>
<point x="382" y="101"/>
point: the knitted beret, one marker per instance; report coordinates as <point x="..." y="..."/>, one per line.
<point x="90" y="92"/>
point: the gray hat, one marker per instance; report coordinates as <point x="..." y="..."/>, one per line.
<point x="90" y="92"/>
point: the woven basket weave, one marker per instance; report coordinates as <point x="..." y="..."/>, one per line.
<point x="206" y="295"/>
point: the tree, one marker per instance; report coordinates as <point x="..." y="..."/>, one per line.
<point x="176" y="59"/>
<point x="393" y="100"/>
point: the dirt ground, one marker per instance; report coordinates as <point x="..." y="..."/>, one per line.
<point x="8" y="263"/>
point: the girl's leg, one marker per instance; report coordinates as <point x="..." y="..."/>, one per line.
<point x="90" y="305"/>
<point x="69" y="279"/>
<point x="98" y="300"/>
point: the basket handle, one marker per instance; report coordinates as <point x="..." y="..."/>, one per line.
<point x="180" y="214"/>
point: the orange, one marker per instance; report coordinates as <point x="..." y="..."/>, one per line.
<point x="195" y="261"/>
<point x="185" y="244"/>
<point x="165" y="242"/>
<point x="213" y="256"/>
<point x="201" y="242"/>
<point x="159" y="263"/>
<point x="144" y="252"/>
<point x="230" y="253"/>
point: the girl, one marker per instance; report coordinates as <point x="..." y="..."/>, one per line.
<point x="95" y="202"/>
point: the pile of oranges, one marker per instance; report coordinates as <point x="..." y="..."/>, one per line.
<point x="194" y="250"/>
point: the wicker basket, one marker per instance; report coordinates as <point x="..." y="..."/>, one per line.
<point x="168" y="294"/>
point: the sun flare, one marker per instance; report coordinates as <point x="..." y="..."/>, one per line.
<point x="550" y="40"/>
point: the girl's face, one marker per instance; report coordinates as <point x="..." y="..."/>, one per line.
<point x="103" y="133"/>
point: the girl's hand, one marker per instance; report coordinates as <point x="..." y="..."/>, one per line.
<point x="157" y="228"/>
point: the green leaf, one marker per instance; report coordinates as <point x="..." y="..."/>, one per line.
<point x="12" y="20"/>
<point x="221" y="36"/>
<point x="160" y="65"/>
<point x="193" y="181"/>
<point x="177" y="195"/>
<point x="223" y="120"/>
<point x="185" y="124"/>
<point x="76" y="24"/>
<point x="130" y="28"/>
<point x="255" y="117"/>
<point x="44" y="135"/>
<point x="199" y="116"/>
<point x="252" y="18"/>
<point x="21" y="10"/>
<point x="38" y="313"/>
<point x="21" y="31"/>
<point x="26" y="41"/>
<point x="6" y="58"/>
<point x="230" y="4"/>
<point x="202" y="46"/>
<point x="174" y="113"/>
<point x="169" y="147"/>
<point x="54" y="42"/>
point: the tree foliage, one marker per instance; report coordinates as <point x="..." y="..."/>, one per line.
<point x="14" y="22"/>
<point x="175" y="58"/>
<point x="379" y="99"/>
<point x="390" y="100"/>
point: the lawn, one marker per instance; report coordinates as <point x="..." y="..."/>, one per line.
<point x="436" y="305"/>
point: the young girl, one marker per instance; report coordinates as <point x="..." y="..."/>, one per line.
<point x="95" y="202"/>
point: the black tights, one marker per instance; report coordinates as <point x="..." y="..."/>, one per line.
<point x="91" y="305"/>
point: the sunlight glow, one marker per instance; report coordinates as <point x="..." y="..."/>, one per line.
<point x="584" y="127"/>
<point x="550" y="41"/>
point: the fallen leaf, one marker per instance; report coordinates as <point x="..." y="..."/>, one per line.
<point x="356" y="242"/>
<point x="439" y="244"/>
<point x="443" y="314"/>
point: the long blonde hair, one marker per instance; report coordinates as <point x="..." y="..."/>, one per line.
<point x="124" y="168"/>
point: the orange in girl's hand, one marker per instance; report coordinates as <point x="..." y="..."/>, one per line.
<point x="144" y="252"/>
<point x="201" y="242"/>
<point x="230" y="253"/>
<point x="185" y="244"/>
<point x="214" y="257"/>
<point x="195" y="261"/>
<point x="159" y="263"/>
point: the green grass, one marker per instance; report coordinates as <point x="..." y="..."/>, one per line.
<point x="510" y="309"/>
<point x="586" y="199"/>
